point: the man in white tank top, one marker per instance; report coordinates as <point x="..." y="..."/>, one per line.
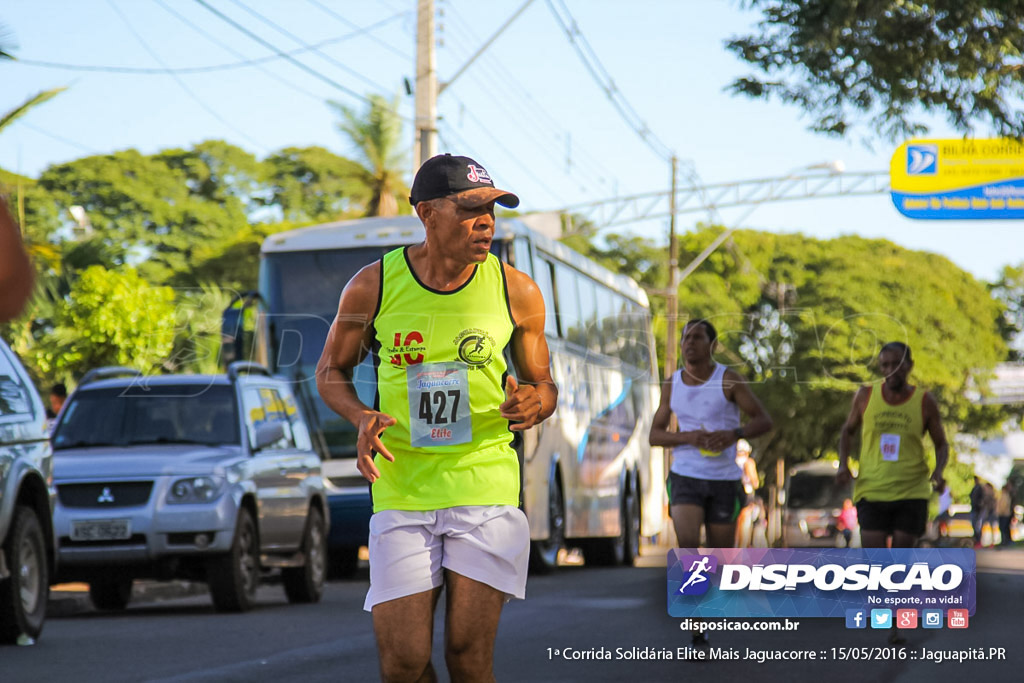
<point x="705" y="483"/>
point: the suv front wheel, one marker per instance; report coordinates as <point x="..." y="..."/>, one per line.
<point x="306" y="583"/>
<point x="23" y="594"/>
<point x="233" y="577"/>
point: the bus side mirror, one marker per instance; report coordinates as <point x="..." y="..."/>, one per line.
<point x="231" y="335"/>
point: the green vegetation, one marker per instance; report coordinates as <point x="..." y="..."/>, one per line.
<point x="884" y="64"/>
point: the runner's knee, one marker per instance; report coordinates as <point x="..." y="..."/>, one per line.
<point x="405" y="664"/>
<point x="469" y="659"/>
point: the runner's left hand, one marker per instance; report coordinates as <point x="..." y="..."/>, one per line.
<point x="522" y="405"/>
<point x="720" y="440"/>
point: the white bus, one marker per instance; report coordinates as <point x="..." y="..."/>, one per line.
<point x="590" y="479"/>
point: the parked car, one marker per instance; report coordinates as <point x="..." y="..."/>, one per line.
<point x="813" y="501"/>
<point x="27" y="550"/>
<point x="200" y="477"/>
<point x="957" y="532"/>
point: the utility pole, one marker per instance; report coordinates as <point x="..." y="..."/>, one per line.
<point x="672" y="295"/>
<point x="426" y="84"/>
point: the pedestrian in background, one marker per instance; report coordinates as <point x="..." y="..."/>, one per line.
<point x="977" y="510"/>
<point x="1004" y="512"/>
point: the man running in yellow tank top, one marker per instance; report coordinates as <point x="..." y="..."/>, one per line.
<point x="437" y="317"/>
<point x="893" y="485"/>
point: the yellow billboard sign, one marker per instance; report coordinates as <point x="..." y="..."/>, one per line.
<point x="944" y="179"/>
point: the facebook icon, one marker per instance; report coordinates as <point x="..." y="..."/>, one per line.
<point x="856" y="618"/>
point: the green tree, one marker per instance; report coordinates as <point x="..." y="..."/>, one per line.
<point x="311" y="184"/>
<point x="376" y="138"/>
<point x="804" y="319"/>
<point x="198" y="330"/>
<point x="1009" y="289"/>
<point x="221" y="173"/>
<point x="886" y="63"/>
<point x="149" y="210"/>
<point x="108" y="318"/>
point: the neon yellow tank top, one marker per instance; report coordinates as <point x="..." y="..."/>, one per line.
<point x="893" y="465"/>
<point x="441" y="375"/>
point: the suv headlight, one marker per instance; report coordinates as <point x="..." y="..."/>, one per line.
<point x="195" y="490"/>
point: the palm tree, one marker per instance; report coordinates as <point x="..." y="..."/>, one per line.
<point x="9" y="117"/>
<point x="376" y="136"/>
<point x="6" y="52"/>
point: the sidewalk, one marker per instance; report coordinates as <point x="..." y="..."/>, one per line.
<point x="69" y="599"/>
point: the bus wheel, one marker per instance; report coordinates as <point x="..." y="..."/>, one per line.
<point x="631" y="523"/>
<point x="544" y="554"/>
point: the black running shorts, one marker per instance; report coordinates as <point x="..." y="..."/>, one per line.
<point x="721" y="500"/>
<point x="908" y="516"/>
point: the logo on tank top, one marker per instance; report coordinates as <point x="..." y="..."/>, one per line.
<point x="408" y="348"/>
<point x="476" y="348"/>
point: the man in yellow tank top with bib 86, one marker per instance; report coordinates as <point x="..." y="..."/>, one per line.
<point x="893" y="484"/>
<point x="437" y="318"/>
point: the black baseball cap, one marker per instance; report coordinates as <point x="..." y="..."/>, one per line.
<point x="446" y="175"/>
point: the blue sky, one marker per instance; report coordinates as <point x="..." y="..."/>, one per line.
<point x="528" y="109"/>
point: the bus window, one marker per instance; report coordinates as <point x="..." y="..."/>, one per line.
<point x="520" y="256"/>
<point x="605" y="328"/>
<point x="569" y="318"/>
<point x="542" y="276"/>
<point x="590" y="329"/>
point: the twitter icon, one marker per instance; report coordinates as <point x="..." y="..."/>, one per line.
<point x="881" y="618"/>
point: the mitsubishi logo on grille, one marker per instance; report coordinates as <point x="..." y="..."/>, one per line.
<point x="106" y="496"/>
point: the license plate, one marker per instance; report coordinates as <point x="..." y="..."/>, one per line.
<point x="101" y="530"/>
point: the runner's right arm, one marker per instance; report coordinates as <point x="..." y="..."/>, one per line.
<point x="853" y="422"/>
<point x="348" y="341"/>
<point x="660" y="434"/>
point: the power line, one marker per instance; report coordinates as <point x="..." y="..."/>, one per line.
<point x="382" y="43"/>
<point x="288" y="34"/>
<point x="200" y="69"/>
<point x="58" y="138"/>
<point x="231" y="50"/>
<point x="605" y="82"/>
<point x="180" y="82"/>
<point x="533" y="111"/>
<point x="297" y="63"/>
<point x="530" y="173"/>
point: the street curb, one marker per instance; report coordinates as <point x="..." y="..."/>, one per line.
<point x="70" y="599"/>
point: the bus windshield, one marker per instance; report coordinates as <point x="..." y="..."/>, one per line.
<point x="302" y="289"/>
<point x="307" y="281"/>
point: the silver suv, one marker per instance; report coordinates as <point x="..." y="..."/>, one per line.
<point x="198" y="477"/>
<point x="26" y="529"/>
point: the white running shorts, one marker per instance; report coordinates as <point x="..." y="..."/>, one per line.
<point x="409" y="550"/>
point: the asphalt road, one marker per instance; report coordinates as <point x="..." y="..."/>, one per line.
<point x="586" y="611"/>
